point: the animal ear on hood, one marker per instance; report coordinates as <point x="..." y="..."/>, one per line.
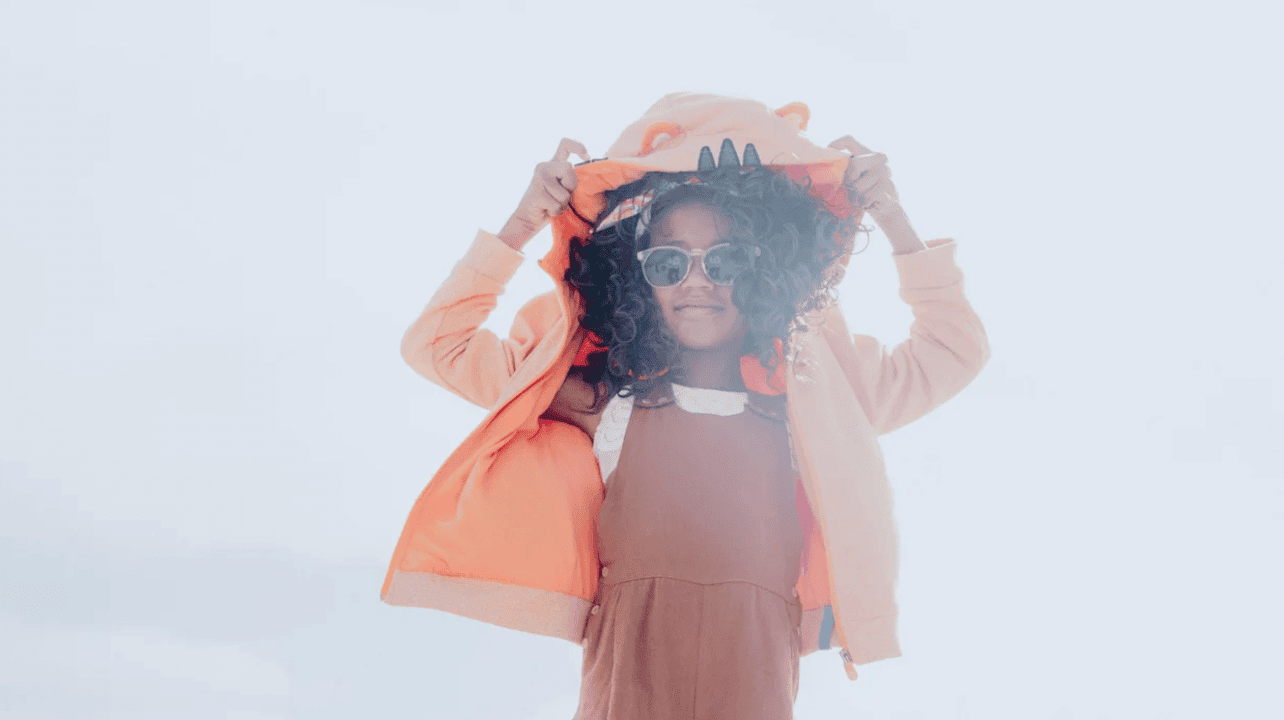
<point x="658" y="134"/>
<point x="671" y="137"/>
<point x="796" y="113"/>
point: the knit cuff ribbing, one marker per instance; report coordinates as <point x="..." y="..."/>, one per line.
<point x="492" y="257"/>
<point x="933" y="267"/>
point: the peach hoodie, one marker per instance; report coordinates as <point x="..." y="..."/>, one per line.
<point x="505" y="531"/>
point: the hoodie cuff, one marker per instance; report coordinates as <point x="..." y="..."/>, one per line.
<point x="933" y="267"/>
<point x="874" y="639"/>
<point x="493" y="258"/>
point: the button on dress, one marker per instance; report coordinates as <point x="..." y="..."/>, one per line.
<point x="699" y="539"/>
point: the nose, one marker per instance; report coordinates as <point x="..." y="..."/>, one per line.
<point x="695" y="275"/>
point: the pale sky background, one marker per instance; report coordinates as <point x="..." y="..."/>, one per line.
<point x="217" y="218"/>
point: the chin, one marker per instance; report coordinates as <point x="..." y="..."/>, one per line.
<point x="707" y="333"/>
<point x="709" y="340"/>
<point x="703" y="343"/>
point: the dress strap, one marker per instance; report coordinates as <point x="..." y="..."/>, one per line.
<point x="608" y="440"/>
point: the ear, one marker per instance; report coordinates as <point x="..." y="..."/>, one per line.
<point x="796" y="113"/>
<point x="656" y="135"/>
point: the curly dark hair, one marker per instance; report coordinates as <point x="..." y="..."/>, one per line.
<point x="799" y="237"/>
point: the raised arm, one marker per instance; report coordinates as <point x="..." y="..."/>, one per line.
<point x="947" y="346"/>
<point x="446" y="344"/>
<point x="946" y="349"/>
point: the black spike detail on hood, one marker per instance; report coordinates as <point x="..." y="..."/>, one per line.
<point x="751" y="156"/>
<point x="706" y="160"/>
<point x="727" y="157"/>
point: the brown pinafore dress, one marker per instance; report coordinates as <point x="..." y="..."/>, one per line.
<point x="696" y="616"/>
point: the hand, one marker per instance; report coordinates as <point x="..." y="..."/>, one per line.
<point x="868" y="180"/>
<point x="869" y="187"/>
<point x="548" y="195"/>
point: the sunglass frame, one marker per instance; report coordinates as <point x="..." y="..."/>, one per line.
<point x="703" y="254"/>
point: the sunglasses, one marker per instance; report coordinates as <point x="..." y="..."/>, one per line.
<point x="666" y="266"/>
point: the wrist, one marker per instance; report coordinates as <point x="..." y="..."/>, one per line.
<point x="492" y="258"/>
<point x="896" y="226"/>
<point x="514" y="234"/>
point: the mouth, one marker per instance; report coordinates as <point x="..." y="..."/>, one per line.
<point x="698" y="308"/>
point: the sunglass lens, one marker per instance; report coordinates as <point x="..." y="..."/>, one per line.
<point x="724" y="264"/>
<point x="665" y="267"/>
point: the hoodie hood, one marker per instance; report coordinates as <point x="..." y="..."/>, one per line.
<point x="670" y="136"/>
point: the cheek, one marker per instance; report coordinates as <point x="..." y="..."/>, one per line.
<point x="738" y="324"/>
<point x="737" y="317"/>
<point x="663" y="302"/>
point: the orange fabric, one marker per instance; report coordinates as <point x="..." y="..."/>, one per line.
<point x="592" y="344"/>
<point x="813" y="577"/>
<point x="516" y="503"/>
<point x="511" y="531"/>
<point x="653" y="133"/>
<point x="855" y="389"/>
<point x="796" y="108"/>
<point x="755" y="375"/>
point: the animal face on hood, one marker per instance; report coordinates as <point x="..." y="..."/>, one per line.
<point x="683" y="132"/>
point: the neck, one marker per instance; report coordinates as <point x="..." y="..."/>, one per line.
<point x="715" y="369"/>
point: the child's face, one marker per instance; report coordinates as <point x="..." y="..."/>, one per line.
<point x="699" y="313"/>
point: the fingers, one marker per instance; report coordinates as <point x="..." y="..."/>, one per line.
<point x="568" y="146"/>
<point x="879" y="177"/>
<point x="874" y="192"/>
<point x="559" y="169"/>
<point x="549" y="193"/>
<point x="558" y="198"/>
<point x="848" y="143"/>
<point x="553" y="193"/>
<point x="868" y="176"/>
<point x="558" y="172"/>
<point x="865" y="183"/>
<point x="861" y="164"/>
<point x="864" y="163"/>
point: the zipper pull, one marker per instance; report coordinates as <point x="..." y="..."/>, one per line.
<point x="847" y="663"/>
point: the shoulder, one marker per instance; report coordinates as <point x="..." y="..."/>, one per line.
<point x="772" y="407"/>
<point x="541" y="311"/>
<point x="574" y="404"/>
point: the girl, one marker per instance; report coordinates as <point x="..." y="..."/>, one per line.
<point x="680" y="468"/>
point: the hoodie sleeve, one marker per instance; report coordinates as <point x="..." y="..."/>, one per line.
<point x="946" y="349"/>
<point x="447" y="344"/>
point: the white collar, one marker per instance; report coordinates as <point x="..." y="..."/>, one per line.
<point x="707" y="401"/>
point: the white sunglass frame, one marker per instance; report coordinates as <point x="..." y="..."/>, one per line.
<point x="754" y="252"/>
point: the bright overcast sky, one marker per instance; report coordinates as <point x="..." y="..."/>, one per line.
<point x="217" y="218"/>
